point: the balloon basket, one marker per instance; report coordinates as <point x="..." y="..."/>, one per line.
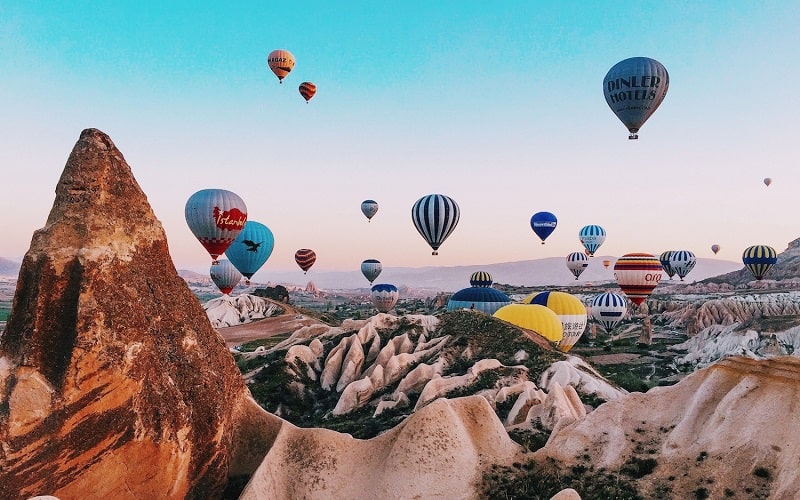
<point x="633" y="137"/>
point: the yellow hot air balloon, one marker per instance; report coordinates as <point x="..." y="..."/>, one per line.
<point x="570" y="311"/>
<point x="281" y="63"/>
<point x="534" y="317"/>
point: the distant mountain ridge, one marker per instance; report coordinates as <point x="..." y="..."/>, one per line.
<point x="787" y="267"/>
<point x="9" y="267"/>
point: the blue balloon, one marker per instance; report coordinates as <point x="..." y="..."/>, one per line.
<point x="543" y="224"/>
<point x="251" y="248"/>
<point x="478" y="298"/>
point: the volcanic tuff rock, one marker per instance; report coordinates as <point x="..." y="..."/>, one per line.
<point x="113" y="383"/>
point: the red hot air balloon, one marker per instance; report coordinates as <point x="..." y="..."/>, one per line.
<point x="637" y="275"/>
<point x="215" y="217"/>
<point x="305" y="258"/>
<point x="307" y="90"/>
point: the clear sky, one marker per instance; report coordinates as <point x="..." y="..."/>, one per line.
<point x="496" y="104"/>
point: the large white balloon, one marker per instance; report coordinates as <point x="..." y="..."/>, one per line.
<point x="634" y="89"/>
<point x="384" y="297"/>
<point x="435" y="216"/>
<point x="682" y="261"/>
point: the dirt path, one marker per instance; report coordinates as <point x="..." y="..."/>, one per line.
<point x="288" y="322"/>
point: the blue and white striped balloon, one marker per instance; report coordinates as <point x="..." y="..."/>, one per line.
<point x="681" y="262"/>
<point x="435" y="216"/>
<point x="592" y="237"/>
<point x="608" y="309"/>
<point x="577" y="263"/>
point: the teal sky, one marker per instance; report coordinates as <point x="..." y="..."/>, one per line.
<point x="498" y="105"/>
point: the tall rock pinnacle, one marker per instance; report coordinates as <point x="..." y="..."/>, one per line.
<point x="113" y="383"/>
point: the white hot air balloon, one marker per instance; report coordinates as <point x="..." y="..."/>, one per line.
<point x="435" y="216"/>
<point x="577" y="263"/>
<point x="384" y="297"/>
<point x="371" y="268"/>
<point x="609" y="308"/>
<point x="682" y="261"/>
<point x="225" y="276"/>
<point x="634" y="89"/>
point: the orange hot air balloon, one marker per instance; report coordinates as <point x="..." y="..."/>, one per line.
<point x="281" y="63"/>
<point x="637" y="275"/>
<point x="606" y="263"/>
<point x="305" y="258"/>
<point x="307" y="90"/>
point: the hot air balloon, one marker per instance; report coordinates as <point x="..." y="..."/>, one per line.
<point x="715" y="248"/>
<point x="251" y="249"/>
<point x="369" y="208"/>
<point x="664" y="258"/>
<point x="634" y="89"/>
<point x="478" y="298"/>
<point x="215" y="217"/>
<point x="435" y="216"/>
<point x="682" y="261"/>
<point x="371" y="268"/>
<point x="543" y="224"/>
<point x="609" y="308"/>
<point x="606" y="263"/>
<point x="592" y="237"/>
<point x="225" y="276"/>
<point x="570" y="311"/>
<point x="637" y="275"/>
<point x="307" y="90"/>
<point x="576" y="263"/>
<point x="538" y="318"/>
<point x="384" y="297"/>
<point x="480" y="278"/>
<point x="305" y="258"/>
<point x="759" y="259"/>
<point x="281" y="63"/>
<point x="767" y="181"/>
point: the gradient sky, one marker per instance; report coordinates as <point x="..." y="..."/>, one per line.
<point x="498" y="105"/>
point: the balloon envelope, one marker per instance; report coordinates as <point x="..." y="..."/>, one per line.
<point x="435" y="216"/>
<point x="251" y="249"/>
<point x="371" y="268"/>
<point x="281" y="62"/>
<point x="215" y="217"/>
<point x="609" y="308"/>
<point x="665" y="263"/>
<point x="767" y="181"/>
<point x="543" y="224"/>
<point x="637" y="275"/>
<point x="682" y="261"/>
<point x="759" y="259"/>
<point x="570" y="311"/>
<point x="384" y="297"/>
<point x="592" y="236"/>
<point x="715" y="248"/>
<point x="634" y="89"/>
<point x="224" y="275"/>
<point x="480" y="278"/>
<point x="534" y="317"/>
<point x="307" y="90"/>
<point x="576" y="263"/>
<point x="305" y="258"/>
<point x="369" y="208"/>
<point x="479" y="298"/>
<point x="606" y="263"/>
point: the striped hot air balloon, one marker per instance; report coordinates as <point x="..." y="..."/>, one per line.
<point x="759" y="259"/>
<point x="384" y="297"/>
<point x="608" y="309"/>
<point x="281" y="62"/>
<point x="435" y="216"/>
<point x="369" y="208"/>
<point x="577" y="263"/>
<point x="305" y="258"/>
<point x="637" y="275"/>
<point x="307" y="90"/>
<point x="480" y="279"/>
<point x="664" y="259"/>
<point x="371" y="268"/>
<point x="215" y="217"/>
<point x="225" y="276"/>
<point x="681" y="262"/>
<point x="570" y="311"/>
<point x="592" y="236"/>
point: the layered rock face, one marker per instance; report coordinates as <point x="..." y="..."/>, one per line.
<point x="113" y="384"/>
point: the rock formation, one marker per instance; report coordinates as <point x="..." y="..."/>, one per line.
<point x="229" y="311"/>
<point x="113" y="384"/>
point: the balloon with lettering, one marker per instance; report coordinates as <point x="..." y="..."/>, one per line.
<point x="592" y="236"/>
<point x="435" y="216"/>
<point x="570" y="311"/>
<point x="767" y="181"/>
<point x="543" y="224"/>
<point x="305" y="258"/>
<point x="634" y="89"/>
<point x="759" y="259"/>
<point x="534" y="317"/>
<point x="371" y="268"/>
<point x="251" y="249"/>
<point x="307" y="90"/>
<point x="369" y="208"/>
<point x="608" y="309"/>
<point x="225" y="276"/>
<point x="281" y="62"/>
<point x="715" y="248"/>
<point x="480" y="278"/>
<point x="384" y="297"/>
<point x="576" y="263"/>
<point x="637" y="274"/>
<point x="215" y="217"/>
<point x="484" y="299"/>
<point x="682" y="261"/>
<point x="664" y="259"/>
